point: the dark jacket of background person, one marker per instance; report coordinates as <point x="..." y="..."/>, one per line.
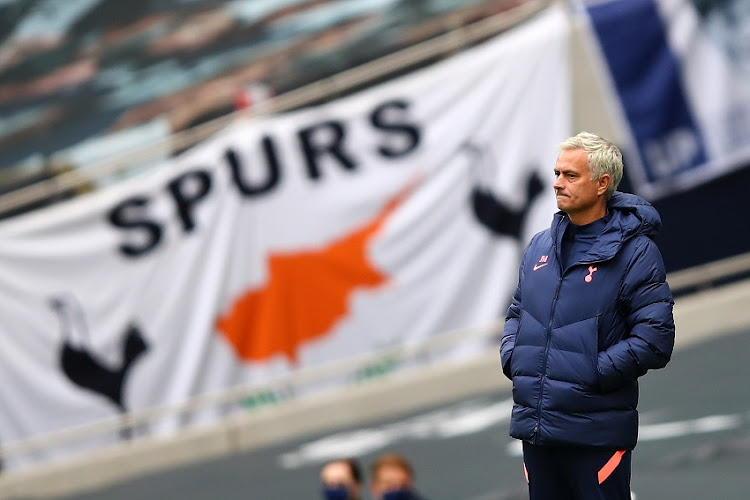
<point x="574" y="346"/>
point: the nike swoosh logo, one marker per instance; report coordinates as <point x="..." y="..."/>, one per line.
<point x="539" y="266"/>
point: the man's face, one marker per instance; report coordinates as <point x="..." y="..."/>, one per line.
<point x="577" y="194"/>
<point x="338" y="474"/>
<point x="390" y="478"/>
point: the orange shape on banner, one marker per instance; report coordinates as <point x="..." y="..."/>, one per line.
<point x="306" y="293"/>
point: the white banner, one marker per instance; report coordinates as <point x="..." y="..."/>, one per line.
<point x="378" y="219"/>
<point x="680" y="78"/>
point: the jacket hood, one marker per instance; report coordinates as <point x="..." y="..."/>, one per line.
<point x="636" y="215"/>
<point x="631" y="216"/>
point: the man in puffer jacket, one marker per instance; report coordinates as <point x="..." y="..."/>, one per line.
<point x="592" y="312"/>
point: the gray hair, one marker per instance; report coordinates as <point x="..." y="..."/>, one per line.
<point x="604" y="157"/>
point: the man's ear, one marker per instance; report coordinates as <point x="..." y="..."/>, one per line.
<point x="604" y="181"/>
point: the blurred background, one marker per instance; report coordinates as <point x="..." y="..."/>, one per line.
<point x="239" y="238"/>
<point x="85" y="80"/>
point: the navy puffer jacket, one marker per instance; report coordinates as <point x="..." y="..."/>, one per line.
<point x="576" y="340"/>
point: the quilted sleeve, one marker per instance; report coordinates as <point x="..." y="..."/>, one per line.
<point x="646" y="303"/>
<point x="511" y="325"/>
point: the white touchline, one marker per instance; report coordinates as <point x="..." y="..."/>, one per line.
<point x="667" y="430"/>
<point x="456" y="420"/>
<point x="712" y="423"/>
<point x="476" y="421"/>
<point x="515" y="448"/>
<point x="465" y="419"/>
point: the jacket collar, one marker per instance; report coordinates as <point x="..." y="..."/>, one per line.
<point x="631" y="216"/>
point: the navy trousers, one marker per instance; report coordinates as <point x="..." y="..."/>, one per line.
<point x="570" y="473"/>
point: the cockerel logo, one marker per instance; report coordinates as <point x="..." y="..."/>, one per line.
<point x="82" y="366"/>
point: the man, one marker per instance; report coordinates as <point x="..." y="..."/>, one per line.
<point x="592" y="312"/>
<point x="341" y="480"/>
<point x="393" y="478"/>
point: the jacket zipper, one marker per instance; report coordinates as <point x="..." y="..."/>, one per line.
<point x="563" y="272"/>
<point x="549" y="336"/>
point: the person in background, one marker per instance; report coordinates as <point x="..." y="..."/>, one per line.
<point x="341" y="480"/>
<point x="592" y="313"/>
<point x="393" y="478"/>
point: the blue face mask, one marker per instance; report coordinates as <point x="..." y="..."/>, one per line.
<point x="399" y="495"/>
<point x="335" y="493"/>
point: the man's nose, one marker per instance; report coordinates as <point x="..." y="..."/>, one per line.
<point x="558" y="184"/>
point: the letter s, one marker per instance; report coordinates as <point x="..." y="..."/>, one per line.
<point x="128" y="214"/>
<point x="410" y="132"/>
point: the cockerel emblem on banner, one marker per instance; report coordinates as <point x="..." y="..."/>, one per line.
<point x="85" y="368"/>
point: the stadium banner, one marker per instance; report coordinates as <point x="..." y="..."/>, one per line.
<point x="679" y="72"/>
<point x="287" y="241"/>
